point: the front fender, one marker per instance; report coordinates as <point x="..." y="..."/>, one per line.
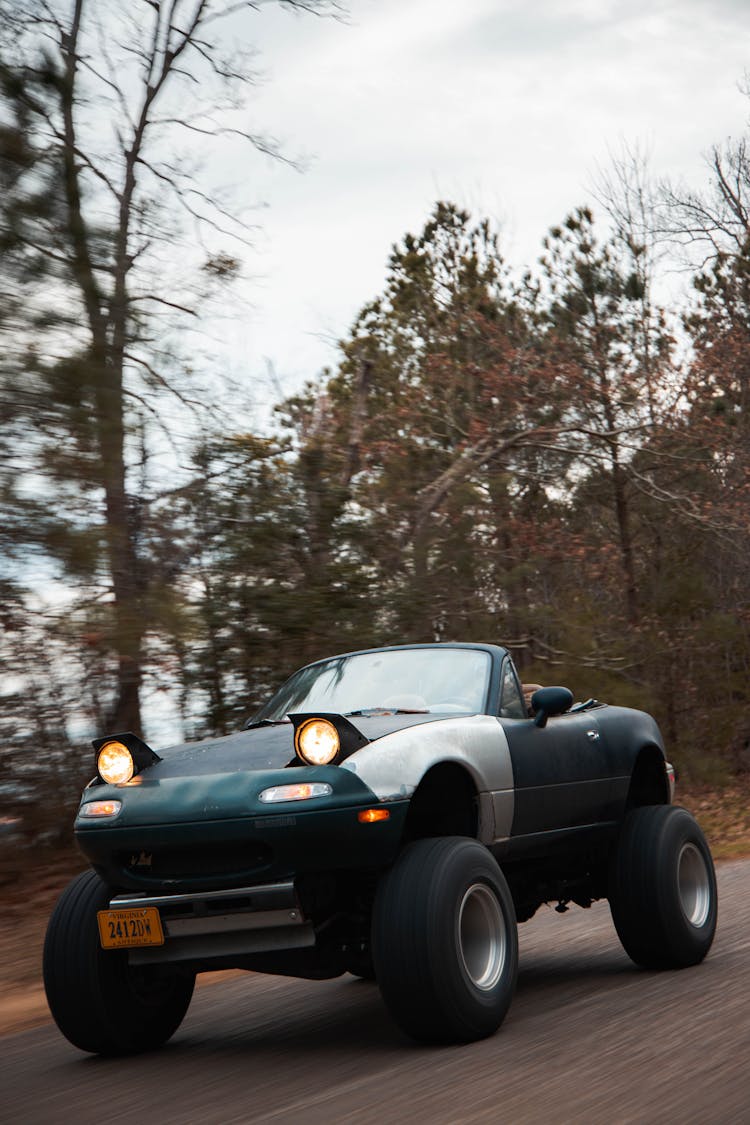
<point x="393" y="766"/>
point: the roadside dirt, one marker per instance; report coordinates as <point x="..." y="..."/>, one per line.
<point x="723" y="814"/>
<point x="27" y="900"/>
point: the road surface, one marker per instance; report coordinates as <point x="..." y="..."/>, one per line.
<point x="589" y="1038"/>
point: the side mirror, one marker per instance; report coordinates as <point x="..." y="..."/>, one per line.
<point x="549" y="701"/>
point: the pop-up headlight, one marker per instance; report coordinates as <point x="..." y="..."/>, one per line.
<point x="324" y="740"/>
<point x="121" y="757"/>
<point x="114" y="763"/>
<point x="317" y="742"/>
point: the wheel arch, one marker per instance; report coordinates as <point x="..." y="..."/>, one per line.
<point x="649" y="784"/>
<point x="445" y="803"/>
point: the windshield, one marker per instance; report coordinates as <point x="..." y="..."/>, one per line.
<point x="450" y="680"/>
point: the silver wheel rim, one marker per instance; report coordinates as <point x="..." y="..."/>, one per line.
<point x="481" y="936"/>
<point x="693" y="885"/>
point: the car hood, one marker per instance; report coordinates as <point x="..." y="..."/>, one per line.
<point x="263" y="748"/>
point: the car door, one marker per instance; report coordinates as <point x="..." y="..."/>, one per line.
<point x="565" y="775"/>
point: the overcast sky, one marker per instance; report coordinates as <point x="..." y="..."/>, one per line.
<point x="503" y="106"/>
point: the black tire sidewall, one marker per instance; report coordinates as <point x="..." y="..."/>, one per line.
<point x="688" y="942"/>
<point x="644" y="893"/>
<point x="465" y="868"/>
<point x="98" y="1001"/>
<point x="416" y="948"/>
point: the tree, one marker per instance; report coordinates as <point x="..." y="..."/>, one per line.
<point x="443" y="418"/>
<point x="279" y="573"/>
<point x="98" y="197"/>
<point x="714" y="222"/>
<point x="603" y="320"/>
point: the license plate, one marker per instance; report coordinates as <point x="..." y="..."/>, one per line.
<point x="123" y="929"/>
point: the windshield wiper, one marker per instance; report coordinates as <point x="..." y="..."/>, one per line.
<point x="264" y="723"/>
<point x="367" y="712"/>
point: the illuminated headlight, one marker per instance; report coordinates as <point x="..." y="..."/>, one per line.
<point x="100" y="808"/>
<point x="317" y="742"/>
<point x="302" y="792"/>
<point x="115" y="763"/>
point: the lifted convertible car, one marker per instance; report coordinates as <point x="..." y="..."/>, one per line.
<point x="391" y="813"/>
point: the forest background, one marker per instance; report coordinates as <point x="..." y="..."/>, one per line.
<point x="547" y="458"/>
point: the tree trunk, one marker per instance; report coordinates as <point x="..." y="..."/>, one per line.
<point x="622" y="514"/>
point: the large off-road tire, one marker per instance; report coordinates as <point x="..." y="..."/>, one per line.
<point x="662" y="891"/>
<point x="445" y="941"/>
<point x="99" y="1002"/>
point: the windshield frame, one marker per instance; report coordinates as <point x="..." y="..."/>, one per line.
<point x="489" y="706"/>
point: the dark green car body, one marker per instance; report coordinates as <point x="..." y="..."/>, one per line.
<point x="451" y="805"/>
<point x="208" y="831"/>
<point x="548" y="790"/>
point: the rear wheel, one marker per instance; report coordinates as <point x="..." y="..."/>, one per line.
<point x="100" y="1002"/>
<point x="663" y="888"/>
<point x="445" y="942"/>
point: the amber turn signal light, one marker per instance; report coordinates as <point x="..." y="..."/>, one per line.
<point x="100" y="808"/>
<point x="371" y="816"/>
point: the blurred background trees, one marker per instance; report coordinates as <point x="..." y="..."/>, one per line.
<point x="546" y="460"/>
<point x="112" y="239"/>
<point x="551" y="462"/>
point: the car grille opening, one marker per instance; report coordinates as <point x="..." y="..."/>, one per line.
<point x="195" y="864"/>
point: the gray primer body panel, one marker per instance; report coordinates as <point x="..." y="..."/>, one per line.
<point x="476" y="742"/>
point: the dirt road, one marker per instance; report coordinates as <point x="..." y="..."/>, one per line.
<point x="589" y="1039"/>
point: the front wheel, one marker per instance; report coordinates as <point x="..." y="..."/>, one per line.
<point x="662" y="892"/>
<point x="445" y="941"/>
<point x="100" y="1002"/>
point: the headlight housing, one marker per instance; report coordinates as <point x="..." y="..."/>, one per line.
<point x="114" y="763"/>
<point x="317" y="742"/>
<point x="121" y="756"/>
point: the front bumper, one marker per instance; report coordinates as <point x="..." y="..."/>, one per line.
<point x="221" y="924"/>
<point x="212" y="832"/>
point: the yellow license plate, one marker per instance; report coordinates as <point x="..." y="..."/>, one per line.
<point x="123" y="929"/>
